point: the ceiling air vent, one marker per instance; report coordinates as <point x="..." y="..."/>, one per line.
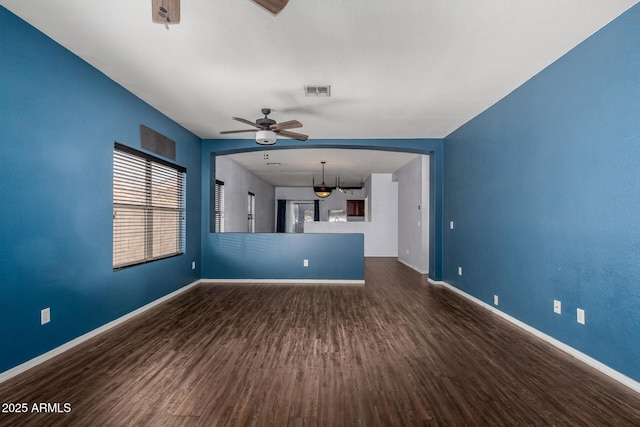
<point x="317" y="90"/>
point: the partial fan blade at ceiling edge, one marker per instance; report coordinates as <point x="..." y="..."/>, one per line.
<point x="272" y="6"/>
<point x="293" y="135"/>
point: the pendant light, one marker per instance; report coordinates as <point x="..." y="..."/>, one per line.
<point x="322" y="190"/>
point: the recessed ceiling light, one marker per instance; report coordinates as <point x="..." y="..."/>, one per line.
<point x="315" y="90"/>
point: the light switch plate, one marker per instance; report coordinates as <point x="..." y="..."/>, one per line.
<point x="557" y="306"/>
<point x="45" y="316"/>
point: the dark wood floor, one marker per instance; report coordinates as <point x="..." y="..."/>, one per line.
<point x="395" y="352"/>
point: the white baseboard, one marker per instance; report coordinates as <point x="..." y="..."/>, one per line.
<point x="286" y="281"/>
<point x="621" y="378"/>
<point x="69" y="345"/>
<point x="413" y="267"/>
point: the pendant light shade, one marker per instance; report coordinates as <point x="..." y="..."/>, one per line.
<point x="322" y="191"/>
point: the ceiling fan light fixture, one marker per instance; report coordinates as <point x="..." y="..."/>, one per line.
<point x="268" y="129"/>
<point x="266" y="137"/>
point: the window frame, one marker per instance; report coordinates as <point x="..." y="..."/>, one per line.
<point x="131" y="184"/>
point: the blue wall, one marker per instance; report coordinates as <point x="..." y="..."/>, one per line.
<point x="59" y="118"/>
<point x="544" y="189"/>
<point x="213" y="147"/>
<point x="281" y="255"/>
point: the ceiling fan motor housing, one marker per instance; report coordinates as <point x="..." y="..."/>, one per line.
<point x="265" y="122"/>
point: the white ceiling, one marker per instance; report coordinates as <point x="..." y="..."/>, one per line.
<point x="398" y="69"/>
<point x="409" y="69"/>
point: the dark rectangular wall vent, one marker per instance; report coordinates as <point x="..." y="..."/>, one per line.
<point x="157" y="143"/>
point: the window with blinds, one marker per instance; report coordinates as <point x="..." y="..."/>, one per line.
<point x="219" y="207"/>
<point x="148" y="207"/>
<point x="251" y="208"/>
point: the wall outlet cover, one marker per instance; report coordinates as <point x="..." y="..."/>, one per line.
<point x="580" y="316"/>
<point x="495" y="300"/>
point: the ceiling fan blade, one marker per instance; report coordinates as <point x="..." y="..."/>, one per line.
<point x="247" y="122"/>
<point x="287" y="125"/>
<point x="237" y="131"/>
<point x="293" y="135"/>
<point x="273" y="6"/>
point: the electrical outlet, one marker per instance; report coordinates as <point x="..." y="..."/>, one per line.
<point x="557" y="306"/>
<point x="305" y="263"/>
<point x="45" y="315"/>
<point x="495" y="300"/>
<point x="459" y="271"/>
<point x="193" y="265"/>
<point x="451" y="225"/>
<point x="580" y="316"/>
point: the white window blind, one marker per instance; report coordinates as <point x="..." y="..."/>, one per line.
<point x="219" y="207"/>
<point x="148" y="207"/>
<point x="251" y="218"/>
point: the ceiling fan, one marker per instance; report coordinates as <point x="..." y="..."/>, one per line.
<point x="168" y="11"/>
<point x="267" y="129"/>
